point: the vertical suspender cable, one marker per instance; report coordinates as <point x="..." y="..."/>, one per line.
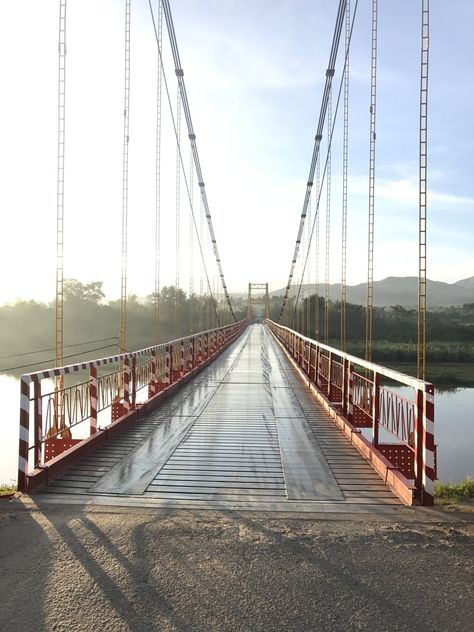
<point x="159" y="82"/>
<point x="308" y="274"/>
<point x="317" y="306"/>
<point x="201" y="233"/>
<point x="328" y="222"/>
<point x="123" y="292"/>
<point x="345" y="152"/>
<point x="59" y="382"/>
<point x="423" y="166"/>
<point x="191" y="247"/>
<point x="60" y="183"/>
<point x="370" y="262"/>
<point x="178" y="211"/>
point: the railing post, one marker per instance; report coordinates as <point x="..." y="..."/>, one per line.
<point x="191" y="358"/>
<point x="126" y="384"/>
<point x="330" y="389"/>
<point x="168" y="364"/>
<point x="181" y="358"/>
<point x="311" y="367"/>
<point x="153" y="381"/>
<point x="38" y="420"/>
<point x="199" y="349"/>
<point x="134" y="382"/>
<point x="344" y="386"/>
<point x="318" y="367"/>
<point x="93" y="399"/>
<point x="350" y="391"/>
<point x="425" y="473"/>
<point x="375" y="409"/>
<point x="418" y="440"/>
<point x="24" y="433"/>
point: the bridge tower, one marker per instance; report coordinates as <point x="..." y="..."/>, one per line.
<point x="262" y="299"/>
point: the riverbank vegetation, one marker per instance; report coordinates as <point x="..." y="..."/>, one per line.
<point x="464" y="490"/>
<point x="7" y="489"/>
<point x="91" y="326"/>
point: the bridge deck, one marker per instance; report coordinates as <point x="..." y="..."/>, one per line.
<point x="245" y="434"/>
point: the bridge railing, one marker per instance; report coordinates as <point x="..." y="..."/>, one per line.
<point x="66" y="406"/>
<point x="363" y="395"/>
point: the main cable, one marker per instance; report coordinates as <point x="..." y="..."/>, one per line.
<point x="177" y="72"/>
<point x="316" y="215"/>
<point x="192" y="137"/>
<point x="317" y="139"/>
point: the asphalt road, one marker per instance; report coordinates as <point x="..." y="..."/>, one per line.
<point x="69" y="568"/>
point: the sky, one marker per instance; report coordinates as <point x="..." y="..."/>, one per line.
<point x="254" y="74"/>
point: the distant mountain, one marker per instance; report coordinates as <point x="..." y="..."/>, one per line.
<point x="400" y="291"/>
<point x="467" y="283"/>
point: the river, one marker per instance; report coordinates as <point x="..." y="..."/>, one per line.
<point x="454" y="431"/>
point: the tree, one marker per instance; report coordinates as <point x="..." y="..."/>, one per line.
<point x="76" y="291"/>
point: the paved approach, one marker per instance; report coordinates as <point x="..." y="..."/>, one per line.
<point x="245" y="434"/>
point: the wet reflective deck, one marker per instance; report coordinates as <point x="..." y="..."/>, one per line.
<point x="245" y="434"/>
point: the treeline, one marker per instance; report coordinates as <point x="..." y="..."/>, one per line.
<point x="450" y="336"/>
<point x="29" y="326"/>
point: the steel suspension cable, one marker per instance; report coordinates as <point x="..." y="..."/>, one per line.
<point x="201" y="234"/>
<point x="308" y="275"/>
<point x="345" y="162"/>
<point x="191" y="249"/>
<point x="159" y="81"/>
<point x="59" y="381"/>
<point x="316" y="217"/>
<point x="192" y="138"/>
<point x="423" y="177"/>
<point x="123" y="290"/>
<point x="60" y="184"/>
<point x="370" y="258"/>
<point x="328" y="223"/>
<point x="178" y="214"/>
<point x="317" y="139"/>
<point x="179" y="73"/>
<point x="316" y="220"/>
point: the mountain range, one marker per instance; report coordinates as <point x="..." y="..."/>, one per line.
<point x="399" y="291"/>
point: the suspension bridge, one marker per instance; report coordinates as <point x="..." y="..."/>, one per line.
<point x="253" y="413"/>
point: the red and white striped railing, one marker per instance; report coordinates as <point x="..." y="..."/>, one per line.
<point x="68" y="405"/>
<point x="351" y="389"/>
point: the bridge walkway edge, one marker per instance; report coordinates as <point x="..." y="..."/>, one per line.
<point x="231" y="465"/>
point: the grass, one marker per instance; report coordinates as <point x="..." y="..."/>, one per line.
<point x="463" y="490"/>
<point x="6" y="489"/>
<point x="444" y="374"/>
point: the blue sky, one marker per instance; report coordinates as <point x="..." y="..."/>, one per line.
<point x="254" y="73"/>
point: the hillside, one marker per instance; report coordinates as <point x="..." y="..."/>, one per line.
<point x="400" y="291"/>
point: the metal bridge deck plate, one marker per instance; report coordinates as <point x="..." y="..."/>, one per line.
<point x="245" y="434"/>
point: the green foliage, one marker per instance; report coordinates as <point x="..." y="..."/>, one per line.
<point x="455" y="491"/>
<point x="6" y="489"/>
<point x="75" y="291"/>
<point x="27" y="326"/>
<point x="395" y="331"/>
